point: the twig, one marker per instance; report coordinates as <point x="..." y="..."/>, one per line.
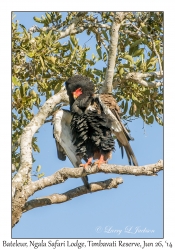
<point x="158" y="56"/>
<point x="50" y="120"/>
<point x="138" y="77"/>
<point x="60" y="198"/>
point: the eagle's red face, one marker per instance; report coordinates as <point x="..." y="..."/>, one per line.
<point x="77" y="92"/>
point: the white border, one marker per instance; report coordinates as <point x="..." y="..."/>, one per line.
<point x="5" y="100"/>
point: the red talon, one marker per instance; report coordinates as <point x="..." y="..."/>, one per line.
<point x="89" y="162"/>
<point x="100" y="161"/>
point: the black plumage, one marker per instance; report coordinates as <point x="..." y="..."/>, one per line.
<point x="90" y="125"/>
<point x="63" y="138"/>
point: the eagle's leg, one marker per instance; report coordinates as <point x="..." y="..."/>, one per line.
<point x="89" y="162"/>
<point x="101" y="160"/>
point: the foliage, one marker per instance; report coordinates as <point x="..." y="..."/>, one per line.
<point x="44" y="56"/>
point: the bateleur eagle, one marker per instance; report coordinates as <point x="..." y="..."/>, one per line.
<point x="95" y="119"/>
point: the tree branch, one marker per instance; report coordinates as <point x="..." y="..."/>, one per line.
<point x="138" y="77"/>
<point x="13" y="168"/>
<point x="74" y="28"/>
<point x="132" y="34"/>
<point x="107" y="86"/>
<point x="158" y="56"/>
<point x="63" y="174"/>
<point x="26" y="138"/>
<point x="60" y="198"/>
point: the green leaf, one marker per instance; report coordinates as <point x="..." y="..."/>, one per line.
<point x="16" y="81"/>
<point x="129" y="58"/>
<point x="31" y="54"/>
<point x="138" y="52"/>
<point x="42" y="62"/>
<point x="48" y="94"/>
<point x="28" y="114"/>
<point x="74" y="40"/>
<point x="131" y="110"/>
<point x="97" y="72"/>
<point x="152" y="62"/>
<point x="150" y="119"/>
<point x="126" y="107"/>
<point x="51" y="59"/>
<point x="57" y="88"/>
<point x="48" y="37"/>
<point x="105" y="35"/>
<point x="56" y="45"/>
<point x="147" y="111"/>
<point x="48" y="17"/>
<point x="38" y="20"/>
<point x="40" y="175"/>
<point x="35" y="147"/>
<point x="53" y="67"/>
<point x="23" y="27"/>
<point x="136" y="43"/>
<point x="104" y="56"/>
<point x="99" y="51"/>
<point x="121" y="71"/>
<point x="144" y="28"/>
<point x="38" y="100"/>
<point x="18" y="92"/>
<point x="134" y="97"/>
<point x="38" y="168"/>
<point x="32" y="93"/>
<point x="126" y="65"/>
<point x="24" y="87"/>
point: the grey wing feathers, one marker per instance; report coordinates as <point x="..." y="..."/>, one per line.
<point x="111" y="109"/>
<point x="60" y="151"/>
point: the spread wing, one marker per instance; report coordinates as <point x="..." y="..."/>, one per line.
<point x="63" y="137"/>
<point x="112" y="110"/>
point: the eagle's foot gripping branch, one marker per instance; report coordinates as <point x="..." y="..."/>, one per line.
<point x="100" y="161"/>
<point x="88" y="163"/>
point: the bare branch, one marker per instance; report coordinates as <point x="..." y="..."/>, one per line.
<point x="107" y="86"/>
<point x="138" y="77"/>
<point x="21" y="195"/>
<point x="50" y="120"/>
<point x="74" y="28"/>
<point x="132" y="34"/>
<point x="13" y="168"/>
<point x="138" y="29"/>
<point x="63" y="174"/>
<point x="60" y="198"/>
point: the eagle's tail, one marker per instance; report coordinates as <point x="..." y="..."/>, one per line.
<point x="123" y="142"/>
<point x="130" y="155"/>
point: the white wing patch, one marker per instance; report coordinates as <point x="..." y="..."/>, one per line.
<point x="63" y="135"/>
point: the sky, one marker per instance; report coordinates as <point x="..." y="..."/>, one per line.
<point x="133" y="210"/>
